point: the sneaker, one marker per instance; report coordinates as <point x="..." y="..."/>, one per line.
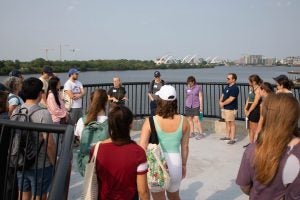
<point x="231" y="142"/>
<point x="193" y="134"/>
<point x="246" y="145"/>
<point x="224" y="138"/>
<point x="200" y="136"/>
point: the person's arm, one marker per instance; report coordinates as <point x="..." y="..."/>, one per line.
<point x="69" y="93"/>
<point x="54" y="109"/>
<point x="185" y="145"/>
<point x="255" y="102"/>
<point x="220" y="101"/>
<point x="246" y="105"/>
<point x="145" y="134"/>
<point x="200" y="100"/>
<point x="79" y="128"/>
<point x="125" y="98"/>
<point x="150" y="91"/>
<point x="51" y="148"/>
<point x="227" y="101"/>
<point x="142" y="187"/>
<point x="80" y="95"/>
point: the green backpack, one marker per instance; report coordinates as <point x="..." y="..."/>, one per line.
<point x="91" y="134"/>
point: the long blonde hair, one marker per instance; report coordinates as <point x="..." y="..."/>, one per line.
<point x="280" y="119"/>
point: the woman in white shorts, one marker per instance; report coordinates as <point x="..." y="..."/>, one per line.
<point x="173" y="135"/>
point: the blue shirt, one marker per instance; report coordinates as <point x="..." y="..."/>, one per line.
<point x="231" y="91"/>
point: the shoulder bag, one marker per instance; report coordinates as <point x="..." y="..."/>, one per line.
<point x="90" y="183"/>
<point x="158" y="176"/>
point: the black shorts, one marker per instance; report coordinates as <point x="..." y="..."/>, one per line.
<point x="191" y="112"/>
<point x="255" y="114"/>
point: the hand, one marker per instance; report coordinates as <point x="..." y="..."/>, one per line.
<point x="115" y="100"/>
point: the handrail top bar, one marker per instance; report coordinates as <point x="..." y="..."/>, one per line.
<point x="57" y="128"/>
<point x="168" y="82"/>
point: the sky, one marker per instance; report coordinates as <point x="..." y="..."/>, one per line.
<point x="147" y="29"/>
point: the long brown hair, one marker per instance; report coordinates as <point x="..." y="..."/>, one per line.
<point x="280" y="118"/>
<point x="98" y="103"/>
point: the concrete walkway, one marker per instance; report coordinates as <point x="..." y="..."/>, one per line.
<point x="211" y="170"/>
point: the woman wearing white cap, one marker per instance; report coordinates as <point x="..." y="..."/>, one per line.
<point x="173" y="135"/>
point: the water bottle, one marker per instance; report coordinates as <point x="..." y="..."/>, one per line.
<point x="201" y="116"/>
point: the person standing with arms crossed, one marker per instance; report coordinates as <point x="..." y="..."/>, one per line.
<point x="228" y="102"/>
<point x="154" y="86"/>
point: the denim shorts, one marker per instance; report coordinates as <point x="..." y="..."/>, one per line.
<point x="30" y="183"/>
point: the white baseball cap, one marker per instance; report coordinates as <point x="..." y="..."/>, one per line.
<point x="167" y="93"/>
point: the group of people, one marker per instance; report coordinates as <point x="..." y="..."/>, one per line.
<point x="41" y="96"/>
<point x="270" y="165"/>
<point x="121" y="163"/>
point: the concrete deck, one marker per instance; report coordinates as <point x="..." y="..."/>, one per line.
<point x="211" y="169"/>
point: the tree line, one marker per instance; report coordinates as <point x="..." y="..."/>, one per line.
<point x="35" y="66"/>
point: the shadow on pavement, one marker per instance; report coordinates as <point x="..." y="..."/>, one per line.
<point x="232" y="192"/>
<point x="191" y="191"/>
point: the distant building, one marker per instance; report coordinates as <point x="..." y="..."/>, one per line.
<point x="253" y="60"/>
<point x="269" y="61"/>
<point x="291" y="60"/>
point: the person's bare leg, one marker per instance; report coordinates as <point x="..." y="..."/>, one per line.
<point x="198" y="124"/>
<point x="253" y="128"/>
<point x="190" y="120"/>
<point x="232" y="130"/>
<point x="25" y="195"/>
<point x="228" y="129"/>
<point x="173" y="195"/>
<point x="158" y="195"/>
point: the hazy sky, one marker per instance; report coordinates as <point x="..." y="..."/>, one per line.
<point x="146" y="29"/>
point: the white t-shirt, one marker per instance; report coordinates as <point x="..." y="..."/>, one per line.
<point x="75" y="87"/>
<point x="80" y="125"/>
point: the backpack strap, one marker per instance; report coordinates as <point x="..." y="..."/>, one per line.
<point x="30" y="112"/>
<point x="153" y="135"/>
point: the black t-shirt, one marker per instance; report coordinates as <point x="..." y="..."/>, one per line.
<point x="118" y="93"/>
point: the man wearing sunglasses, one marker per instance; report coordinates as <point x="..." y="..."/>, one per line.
<point x="228" y="104"/>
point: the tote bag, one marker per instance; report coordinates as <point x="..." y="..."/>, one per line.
<point x="157" y="176"/>
<point x="90" y="184"/>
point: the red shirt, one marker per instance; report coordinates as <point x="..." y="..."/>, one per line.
<point x="117" y="169"/>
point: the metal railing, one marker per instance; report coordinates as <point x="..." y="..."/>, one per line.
<point x="9" y="187"/>
<point x="138" y="102"/>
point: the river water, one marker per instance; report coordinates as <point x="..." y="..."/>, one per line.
<point x="217" y="74"/>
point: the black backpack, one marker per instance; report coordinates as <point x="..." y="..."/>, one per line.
<point x="22" y="153"/>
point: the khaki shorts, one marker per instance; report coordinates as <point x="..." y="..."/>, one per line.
<point x="229" y="115"/>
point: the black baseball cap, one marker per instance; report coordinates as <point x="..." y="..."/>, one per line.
<point x="48" y="70"/>
<point x="156" y="74"/>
